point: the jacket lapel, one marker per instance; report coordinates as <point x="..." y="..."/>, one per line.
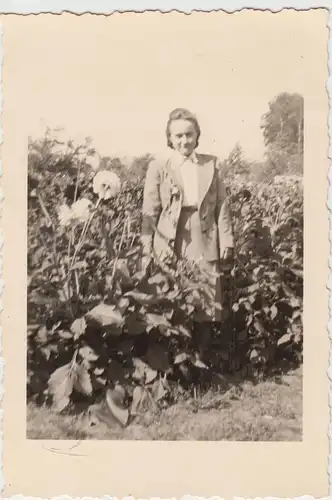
<point x="173" y="167"/>
<point x="205" y="177"/>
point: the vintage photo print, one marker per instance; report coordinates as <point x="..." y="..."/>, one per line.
<point x="165" y="257"/>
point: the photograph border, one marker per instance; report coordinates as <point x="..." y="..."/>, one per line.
<point x="103" y="7"/>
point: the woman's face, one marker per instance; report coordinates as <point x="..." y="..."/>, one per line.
<point x="183" y="136"/>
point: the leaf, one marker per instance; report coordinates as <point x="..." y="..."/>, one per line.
<point x="114" y="399"/>
<point x="55" y="327"/>
<point x="143" y="298"/>
<point x="98" y="371"/>
<point x="157" y="321"/>
<point x="158" y="390"/>
<point x="63" y="334"/>
<point x="157" y="279"/>
<point x="46" y="352"/>
<point x="115" y="372"/>
<point x="88" y="353"/>
<point x="106" y="315"/>
<point x="123" y="304"/>
<point x="78" y="327"/>
<point x="143" y="371"/>
<point x="184" y="330"/>
<point x="259" y="327"/>
<point x="180" y="358"/>
<point x="79" y="265"/>
<point x="42" y="334"/>
<point x="253" y="355"/>
<point x="137" y="399"/>
<point x="150" y="375"/>
<point x="157" y="358"/>
<point x="198" y="363"/>
<point x="274" y="311"/>
<point x="82" y="381"/>
<point x="61" y="384"/>
<point x="284" y="339"/>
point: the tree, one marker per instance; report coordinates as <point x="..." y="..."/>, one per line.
<point x="235" y="164"/>
<point x="283" y="132"/>
<point x="283" y="124"/>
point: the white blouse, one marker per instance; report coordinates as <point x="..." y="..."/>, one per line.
<point x="189" y="174"/>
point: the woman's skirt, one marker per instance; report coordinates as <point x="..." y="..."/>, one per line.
<point x="189" y="246"/>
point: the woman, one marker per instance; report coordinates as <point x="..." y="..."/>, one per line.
<point x="185" y="212"/>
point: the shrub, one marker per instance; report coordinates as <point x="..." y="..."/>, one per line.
<point x="98" y="325"/>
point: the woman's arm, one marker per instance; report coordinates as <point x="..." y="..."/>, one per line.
<point x="223" y="216"/>
<point x="151" y="207"/>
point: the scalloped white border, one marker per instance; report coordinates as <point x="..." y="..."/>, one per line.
<point x="102" y="7"/>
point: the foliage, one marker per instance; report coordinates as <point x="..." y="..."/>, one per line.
<point x="101" y="327"/>
<point x="235" y="164"/>
<point x="283" y="131"/>
<point x="283" y="124"/>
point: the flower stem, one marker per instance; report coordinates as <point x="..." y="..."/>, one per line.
<point x="119" y="250"/>
<point x="81" y="239"/>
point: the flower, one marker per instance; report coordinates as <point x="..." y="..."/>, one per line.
<point x="81" y="209"/>
<point x="78" y="212"/>
<point x="65" y="215"/>
<point x="106" y="184"/>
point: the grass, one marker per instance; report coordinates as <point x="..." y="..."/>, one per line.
<point x="268" y="411"/>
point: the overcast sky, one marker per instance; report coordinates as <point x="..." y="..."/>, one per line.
<point x="117" y="78"/>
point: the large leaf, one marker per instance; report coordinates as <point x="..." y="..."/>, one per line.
<point x="181" y="358"/>
<point x="138" y="394"/>
<point x="142" y="298"/>
<point x="143" y="372"/>
<point x="115" y="398"/>
<point x="61" y="384"/>
<point x="157" y="358"/>
<point x="42" y="335"/>
<point x="78" y="327"/>
<point x="82" y="380"/>
<point x="88" y="353"/>
<point x="284" y="339"/>
<point x="157" y="321"/>
<point x="106" y="315"/>
<point x="159" y="390"/>
<point x="115" y="372"/>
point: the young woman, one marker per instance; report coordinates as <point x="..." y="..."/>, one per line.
<point x="185" y="212"/>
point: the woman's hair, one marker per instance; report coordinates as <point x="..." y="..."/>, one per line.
<point x="181" y="114"/>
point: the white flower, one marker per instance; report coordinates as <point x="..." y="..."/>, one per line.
<point x="78" y="212"/>
<point x="106" y="184"/>
<point x="81" y="209"/>
<point x="65" y="215"/>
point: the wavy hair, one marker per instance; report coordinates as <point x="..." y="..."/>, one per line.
<point x="181" y="114"/>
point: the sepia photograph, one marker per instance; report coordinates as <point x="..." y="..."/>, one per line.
<point x="165" y="223"/>
<point x="165" y="235"/>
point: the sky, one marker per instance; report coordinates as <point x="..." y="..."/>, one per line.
<point x="117" y="78"/>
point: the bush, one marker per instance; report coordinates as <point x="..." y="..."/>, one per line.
<point x="98" y="325"/>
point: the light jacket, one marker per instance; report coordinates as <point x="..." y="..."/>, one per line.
<point x="162" y="204"/>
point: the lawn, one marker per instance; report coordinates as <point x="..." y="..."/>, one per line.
<point x="268" y="411"/>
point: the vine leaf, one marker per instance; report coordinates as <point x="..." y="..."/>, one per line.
<point x="61" y="384"/>
<point x="78" y="327"/>
<point x="143" y="371"/>
<point x="82" y="380"/>
<point x="114" y="399"/>
<point x="106" y="315"/>
<point x="137" y="399"/>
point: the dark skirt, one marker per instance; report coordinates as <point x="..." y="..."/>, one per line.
<point x="189" y="246"/>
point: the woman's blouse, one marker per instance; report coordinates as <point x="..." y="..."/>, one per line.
<point x="189" y="174"/>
